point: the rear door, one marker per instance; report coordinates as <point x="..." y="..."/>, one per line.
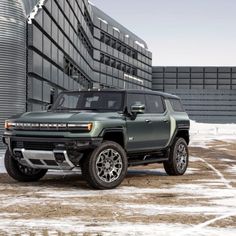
<point x="159" y="121"/>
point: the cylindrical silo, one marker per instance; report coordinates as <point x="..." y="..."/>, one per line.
<point x="12" y="60"/>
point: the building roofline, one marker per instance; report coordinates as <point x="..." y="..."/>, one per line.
<point x="102" y="15"/>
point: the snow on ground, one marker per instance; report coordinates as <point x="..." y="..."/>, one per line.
<point x="202" y="133"/>
<point x="202" y="202"/>
<point x="2" y="168"/>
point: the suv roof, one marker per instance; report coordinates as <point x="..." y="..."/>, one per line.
<point x="165" y="95"/>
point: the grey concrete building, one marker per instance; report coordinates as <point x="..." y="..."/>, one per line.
<point x="64" y="45"/>
<point x="121" y="59"/>
<point x="208" y="93"/>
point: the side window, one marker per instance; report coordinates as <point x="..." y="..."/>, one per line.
<point x="135" y="99"/>
<point x="177" y="105"/>
<point x="154" y="104"/>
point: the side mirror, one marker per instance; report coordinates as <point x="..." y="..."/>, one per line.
<point x="137" y="109"/>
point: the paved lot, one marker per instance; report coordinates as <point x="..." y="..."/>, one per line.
<point x="202" y="202"/>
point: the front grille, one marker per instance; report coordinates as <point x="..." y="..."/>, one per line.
<point x="43" y="146"/>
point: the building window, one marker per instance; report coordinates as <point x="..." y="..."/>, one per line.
<point x="102" y="37"/>
<point x="109" y="61"/>
<point x="118" y="45"/>
<point x="74" y="72"/>
<point x="84" y="39"/>
<point x="88" y="20"/>
<point x="102" y="57"/>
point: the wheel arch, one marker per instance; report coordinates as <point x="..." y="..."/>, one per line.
<point x="116" y="135"/>
<point x="181" y="133"/>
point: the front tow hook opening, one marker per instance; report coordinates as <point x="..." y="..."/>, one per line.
<point x="59" y="158"/>
<point x="62" y="159"/>
<point x="18" y="155"/>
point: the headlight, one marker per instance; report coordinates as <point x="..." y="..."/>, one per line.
<point x="80" y="127"/>
<point x="9" y="125"/>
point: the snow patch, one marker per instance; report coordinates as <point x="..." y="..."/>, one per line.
<point x="35" y="11"/>
<point x="202" y="134"/>
<point x="232" y="169"/>
<point x="228" y="160"/>
<point x="68" y="225"/>
<point x="140" y="44"/>
<point x="221" y="176"/>
<point x="191" y="171"/>
<point x="2" y="167"/>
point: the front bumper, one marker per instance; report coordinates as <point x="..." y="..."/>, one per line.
<point x="57" y="160"/>
<point x="50" y="143"/>
<point x="48" y="152"/>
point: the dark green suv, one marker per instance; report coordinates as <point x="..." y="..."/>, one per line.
<point x="102" y="132"/>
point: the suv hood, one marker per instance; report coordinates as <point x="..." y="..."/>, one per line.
<point x="65" y="117"/>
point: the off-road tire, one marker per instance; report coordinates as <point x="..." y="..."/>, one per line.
<point x="171" y="166"/>
<point x="90" y="171"/>
<point x="15" y="170"/>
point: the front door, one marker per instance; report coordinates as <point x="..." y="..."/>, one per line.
<point x="140" y="129"/>
<point x="151" y="130"/>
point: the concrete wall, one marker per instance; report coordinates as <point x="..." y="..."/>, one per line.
<point x="208" y="93"/>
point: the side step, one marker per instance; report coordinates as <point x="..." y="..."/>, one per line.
<point x="133" y="162"/>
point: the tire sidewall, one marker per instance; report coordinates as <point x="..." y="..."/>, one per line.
<point x="13" y="170"/>
<point x="92" y="165"/>
<point x="174" y="154"/>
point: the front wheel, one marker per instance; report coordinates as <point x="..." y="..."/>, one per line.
<point x="178" y="159"/>
<point x="106" y="166"/>
<point x="22" y="173"/>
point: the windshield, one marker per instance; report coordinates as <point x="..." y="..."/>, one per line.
<point x="90" y="100"/>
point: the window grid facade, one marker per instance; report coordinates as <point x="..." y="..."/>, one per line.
<point x="66" y="51"/>
<point x="119" y="61"/>
<point x="208" y="93"/>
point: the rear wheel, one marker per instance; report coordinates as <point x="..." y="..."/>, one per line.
<point x="106" y="166"/>
<point x="20" y="172"/>
<point x="178" y="159"/>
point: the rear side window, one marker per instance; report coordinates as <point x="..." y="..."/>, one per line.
<point x="154" y="104"/>
<point x="177" y="105"/>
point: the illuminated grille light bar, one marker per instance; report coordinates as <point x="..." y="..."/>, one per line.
<point x="52" y="126"/>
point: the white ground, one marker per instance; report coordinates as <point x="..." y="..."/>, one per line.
<point x="215" y="209"/>
<point x="2" y="168"/>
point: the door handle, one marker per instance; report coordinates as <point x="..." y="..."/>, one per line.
<point x="148" y="121"/>
<point x="166" y="120"/>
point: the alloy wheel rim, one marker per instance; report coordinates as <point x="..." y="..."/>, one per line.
<point x="109" y="165"/>
<point x="181" y="157"/>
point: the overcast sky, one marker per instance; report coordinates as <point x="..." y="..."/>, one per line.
<point x="180" y="32"/>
